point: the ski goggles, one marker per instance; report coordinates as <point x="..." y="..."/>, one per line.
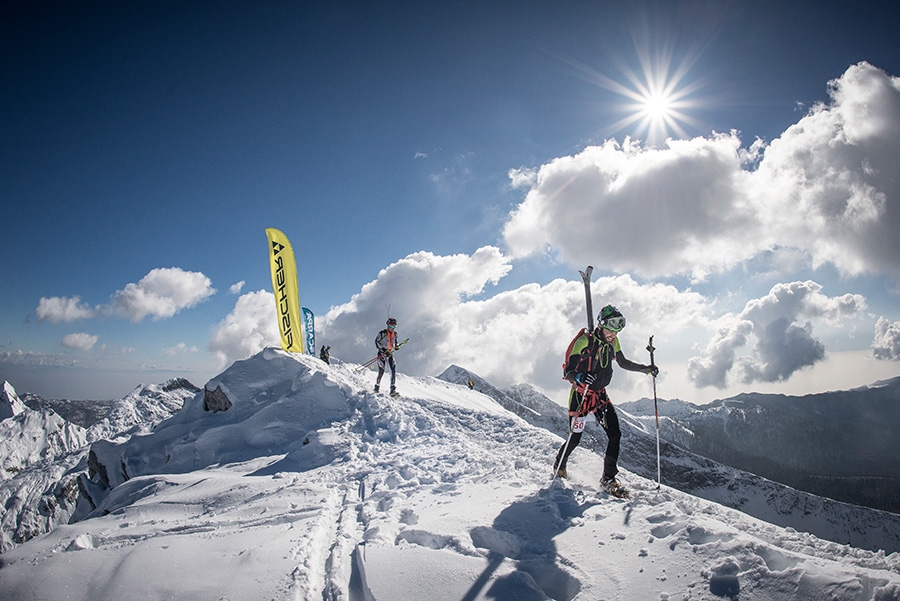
<point x="613" y="324"/>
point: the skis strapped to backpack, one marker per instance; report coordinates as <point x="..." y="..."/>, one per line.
<point x="583" y="338"/>
<point x="589" y="305"/>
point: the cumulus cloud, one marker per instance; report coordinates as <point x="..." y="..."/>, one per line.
<point x="80" y="341"/>
<point x="780" y="323"/>
<point x="59" y="309"/>
<point x="236" y="288"/>
<point x="721" y="352"/>
<point x="827" y="188"/>
<point x="829" y="182"/>
<point x="648" y="211"/>
<point x="510" y="337"/>
<point x="162" y="293"/>
<point x="179" y="349"/>
<point x="887" y="340"/>
<point x="250" y="327"/>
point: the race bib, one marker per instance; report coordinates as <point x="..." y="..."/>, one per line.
<point x="578" y="423"/>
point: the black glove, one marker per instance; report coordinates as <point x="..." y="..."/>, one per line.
<point x="652" y="370"/>
<point x="586" y="379"/>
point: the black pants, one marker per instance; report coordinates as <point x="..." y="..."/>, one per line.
<point x="381" y="364"/>
<point x="608" y="418"/>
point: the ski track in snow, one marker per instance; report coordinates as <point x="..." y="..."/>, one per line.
<point x="440" y="494"/>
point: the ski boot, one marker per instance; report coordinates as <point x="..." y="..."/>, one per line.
<point x="612" y="487"/>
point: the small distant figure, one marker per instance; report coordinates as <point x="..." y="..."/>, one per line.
<point x="386" y="343"/>
<point x="471" y="384"/>
<point x="325" y="354"/>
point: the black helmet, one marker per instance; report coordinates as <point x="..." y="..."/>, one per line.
<point x="391" y="321"/>
<point x="611" y="319"/>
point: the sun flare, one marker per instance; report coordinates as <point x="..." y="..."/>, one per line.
<point x="657" y="106"/>
<point x="658" y="93"/>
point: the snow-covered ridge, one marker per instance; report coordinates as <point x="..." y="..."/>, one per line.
<point x="43" y="456"/>
<point x="686" y="471"/>
<point x="310" y="486"/>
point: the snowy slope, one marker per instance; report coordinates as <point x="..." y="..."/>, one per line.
<point x="43" y="456"/>
<point x="10" y="404"/>
<point x="312" y="487"/>
<point x="761" y="498"/>
<point x="28" y="436"/>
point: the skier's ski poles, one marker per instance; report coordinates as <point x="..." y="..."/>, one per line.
<point x="374" y="359"/>
<point x="566" y="447"/>
<point x="367" y="363"/>
<point x="656" y="411"/>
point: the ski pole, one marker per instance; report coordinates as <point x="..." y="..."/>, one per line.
<point x="374" y="359"/>
<point x="656" y="411"/>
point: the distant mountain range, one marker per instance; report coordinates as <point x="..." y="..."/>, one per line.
<point x="840" y="445"/>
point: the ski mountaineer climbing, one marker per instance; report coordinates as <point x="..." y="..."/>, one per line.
<point x="387" y="342"/>
<point x="589" y="369"/>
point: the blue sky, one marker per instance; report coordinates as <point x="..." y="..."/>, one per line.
<point x="458" y="164"/>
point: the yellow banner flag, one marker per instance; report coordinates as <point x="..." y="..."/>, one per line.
<point x="287" y="294"/>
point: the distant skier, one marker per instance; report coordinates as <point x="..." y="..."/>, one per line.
<point x="325" y="354"/>
<point x="387" y="342"/>
<point x="589" y="369"/>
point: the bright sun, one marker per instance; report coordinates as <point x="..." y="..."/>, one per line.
<point x="657" y="107"/>
<point x="657" y="99"/>
<point x="658" y="94"/>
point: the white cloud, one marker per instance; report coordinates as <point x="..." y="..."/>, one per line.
<point x="80" y="341"/>
<point x="780" y="322"/>
<point x="829" y="184"/>
<point x="250" y="327"/>
<point x="58" y="309"/>
<point x="162" y="293"/>
<point x="721" y="352"/>
<point x="179" y="349"/>
<point x="827" y="188"/>
<point x="30" y="359"/>
<point x="523" y="178"/>
<point x="513" y="336"/>
<point x="653" y="212"/>
<point x="887" y="340"/>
